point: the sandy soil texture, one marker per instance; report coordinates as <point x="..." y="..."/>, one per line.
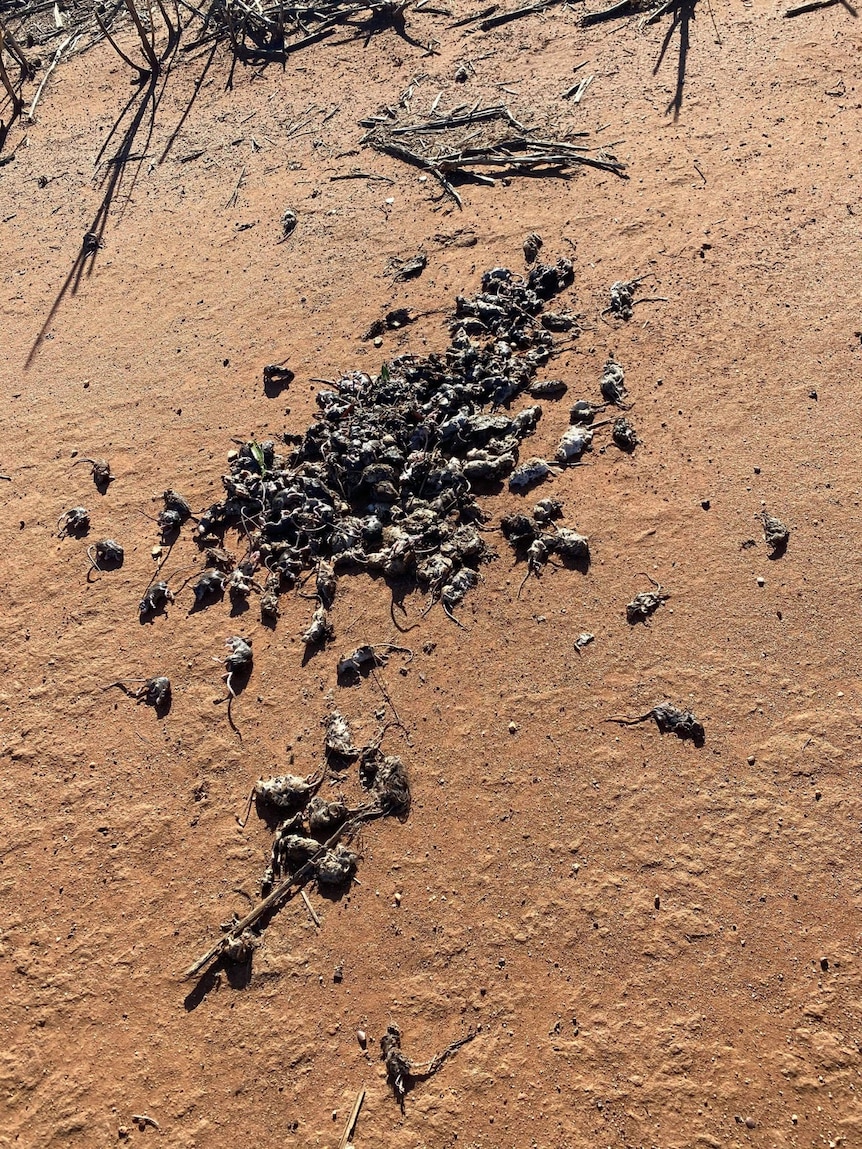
<point x="657" y="944"/>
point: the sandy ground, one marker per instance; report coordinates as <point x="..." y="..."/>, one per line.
<point x="659" y="945"/>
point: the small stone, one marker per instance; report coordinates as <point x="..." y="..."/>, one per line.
<point x="751" y="759"/>
<point x="750" y="1123"/>
<point x="362" y="1038"/>
<point x="123" y="1132"/>
<point x="513" y="727"/>
<point x="398" y="898"/>
<point x="794" y="1118"/>
<point x="378" y="342"/>
<point x="812" y="394"/>
<point x="761" y="581"/>
<point x="824" y="964"/>
<point x="338" y="974"/>
<point x="705" y="503"/>
<point x="817" y="795"/>
<point x="657" y="902"/>
<point x="757" y="470"/>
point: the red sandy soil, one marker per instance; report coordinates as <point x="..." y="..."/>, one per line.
<point x="659" y="945"/>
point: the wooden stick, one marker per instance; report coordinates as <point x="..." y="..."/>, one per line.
<point x="155" y="67"/>
<point x="624" y="8"/>
<point x="51" y="67"/>
<point x="140" y="70"/>
<point x="517" y="13"/>
<point x="310" y="908"/>
<point x="232" y="199"/>
<point x="351" y="1120"/>
<point x="17" y="103"/>
<point x="302" y="875"/>
<point x="812" y="7"/>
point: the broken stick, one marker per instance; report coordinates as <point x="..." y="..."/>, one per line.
<point x="351" y="1120"/>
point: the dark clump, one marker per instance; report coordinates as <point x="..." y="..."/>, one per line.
<point x="155" y="692"/>
<point x="613" y="384"/>
<point x="276" y="379"/>
<point x="105" y="555"/>
<point x="403" y="1073"/>
<point x="646" y="603"/>
<point x="583" y="412"/>
<point x="624" y="435"/>
<point x="670" y="720"/>
<point x="101" y="471"/>
<point x="548" y="281"/>
<point x="777" y="535"/>
<point x="409" y="268"/>
<point x="386" y="480"/>
<point x="155" y="599"/>
<point x="74" y="522"/>
<point x="533" y="244"/>
<point x="385" y="776"/>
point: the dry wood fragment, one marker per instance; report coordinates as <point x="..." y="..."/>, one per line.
<point x="314" y="915"/>
<point x="351" y="1120"/>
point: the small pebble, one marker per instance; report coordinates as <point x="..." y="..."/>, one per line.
<point x="513" y="727"/>
<point x="378" y="342"/>
<point x="757" y="470"/>
<point x="705" y="503"/>
<point x="362" y="1038"/>
<point x="761" y="581"/>
<point x="398" y="898"/>
<point x="751" y="759"/>
<point x="794" y="1118"/>
<point x="824" y="964"/>
<point x="749" y="1123"/>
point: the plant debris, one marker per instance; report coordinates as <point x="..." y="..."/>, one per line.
<point x="469" y="140"/>
<point x="670" y="720"/>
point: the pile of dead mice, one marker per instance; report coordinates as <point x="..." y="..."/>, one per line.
<point x="386" y="480"/>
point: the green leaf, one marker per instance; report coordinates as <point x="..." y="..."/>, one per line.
<point x="257" y="453"/>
